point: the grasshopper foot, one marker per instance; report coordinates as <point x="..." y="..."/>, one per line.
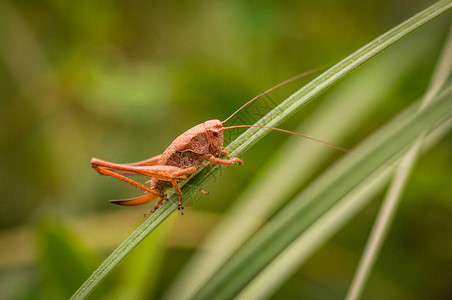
<point x="181" y="208"/>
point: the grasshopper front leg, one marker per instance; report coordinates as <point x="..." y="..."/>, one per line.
<point x="221" y="161"/>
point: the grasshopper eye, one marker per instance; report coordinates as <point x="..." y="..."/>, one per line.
<point x="214" y="133"/>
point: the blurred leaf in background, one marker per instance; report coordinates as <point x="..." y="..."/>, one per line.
<point x="64" y="260"/>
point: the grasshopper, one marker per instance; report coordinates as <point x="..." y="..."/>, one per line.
<point x="203" y="142"/>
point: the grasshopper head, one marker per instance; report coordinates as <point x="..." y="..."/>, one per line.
<point x="214" y="133"/>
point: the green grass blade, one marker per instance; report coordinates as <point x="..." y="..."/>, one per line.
<point x="306" y="94"/>
<point x="288" y="262"/>
<point x="288" y="224"/>
<point x="251" y="136"/>
<point x="393" y="197"/>
<point x="299" y="158"/>
<point x="138" y="275"/>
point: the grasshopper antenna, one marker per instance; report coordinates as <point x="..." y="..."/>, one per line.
<point x="275" y="87"/>
<point x="310" y="138"/>
<point x="294" y="133"/>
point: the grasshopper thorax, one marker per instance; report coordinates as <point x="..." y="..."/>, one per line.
<point x="205" y="138"/>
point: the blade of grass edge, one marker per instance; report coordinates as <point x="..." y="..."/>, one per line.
<point x="251" y="136"/>
<point x="318" y="197"/>
<point x="294" y="163"/>
<point x="275" y="274"/>
<point x="394" y="194"/>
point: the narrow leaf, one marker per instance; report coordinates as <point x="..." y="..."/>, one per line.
<point x="315" y="200"/>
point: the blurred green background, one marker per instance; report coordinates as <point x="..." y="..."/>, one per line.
<point x="119" y="80"/>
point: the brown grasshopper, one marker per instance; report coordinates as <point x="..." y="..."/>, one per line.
<point x="183" y="157"/>
<point x="203" y="142"/>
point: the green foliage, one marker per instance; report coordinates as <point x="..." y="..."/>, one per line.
<point x="120" y="80"/>
<point x="64" y="259"/>
<point x="295" y="163"/>
<point x="315" y="200"/>
<point x="139" y="273"/>
<point x="355" y="171"/>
